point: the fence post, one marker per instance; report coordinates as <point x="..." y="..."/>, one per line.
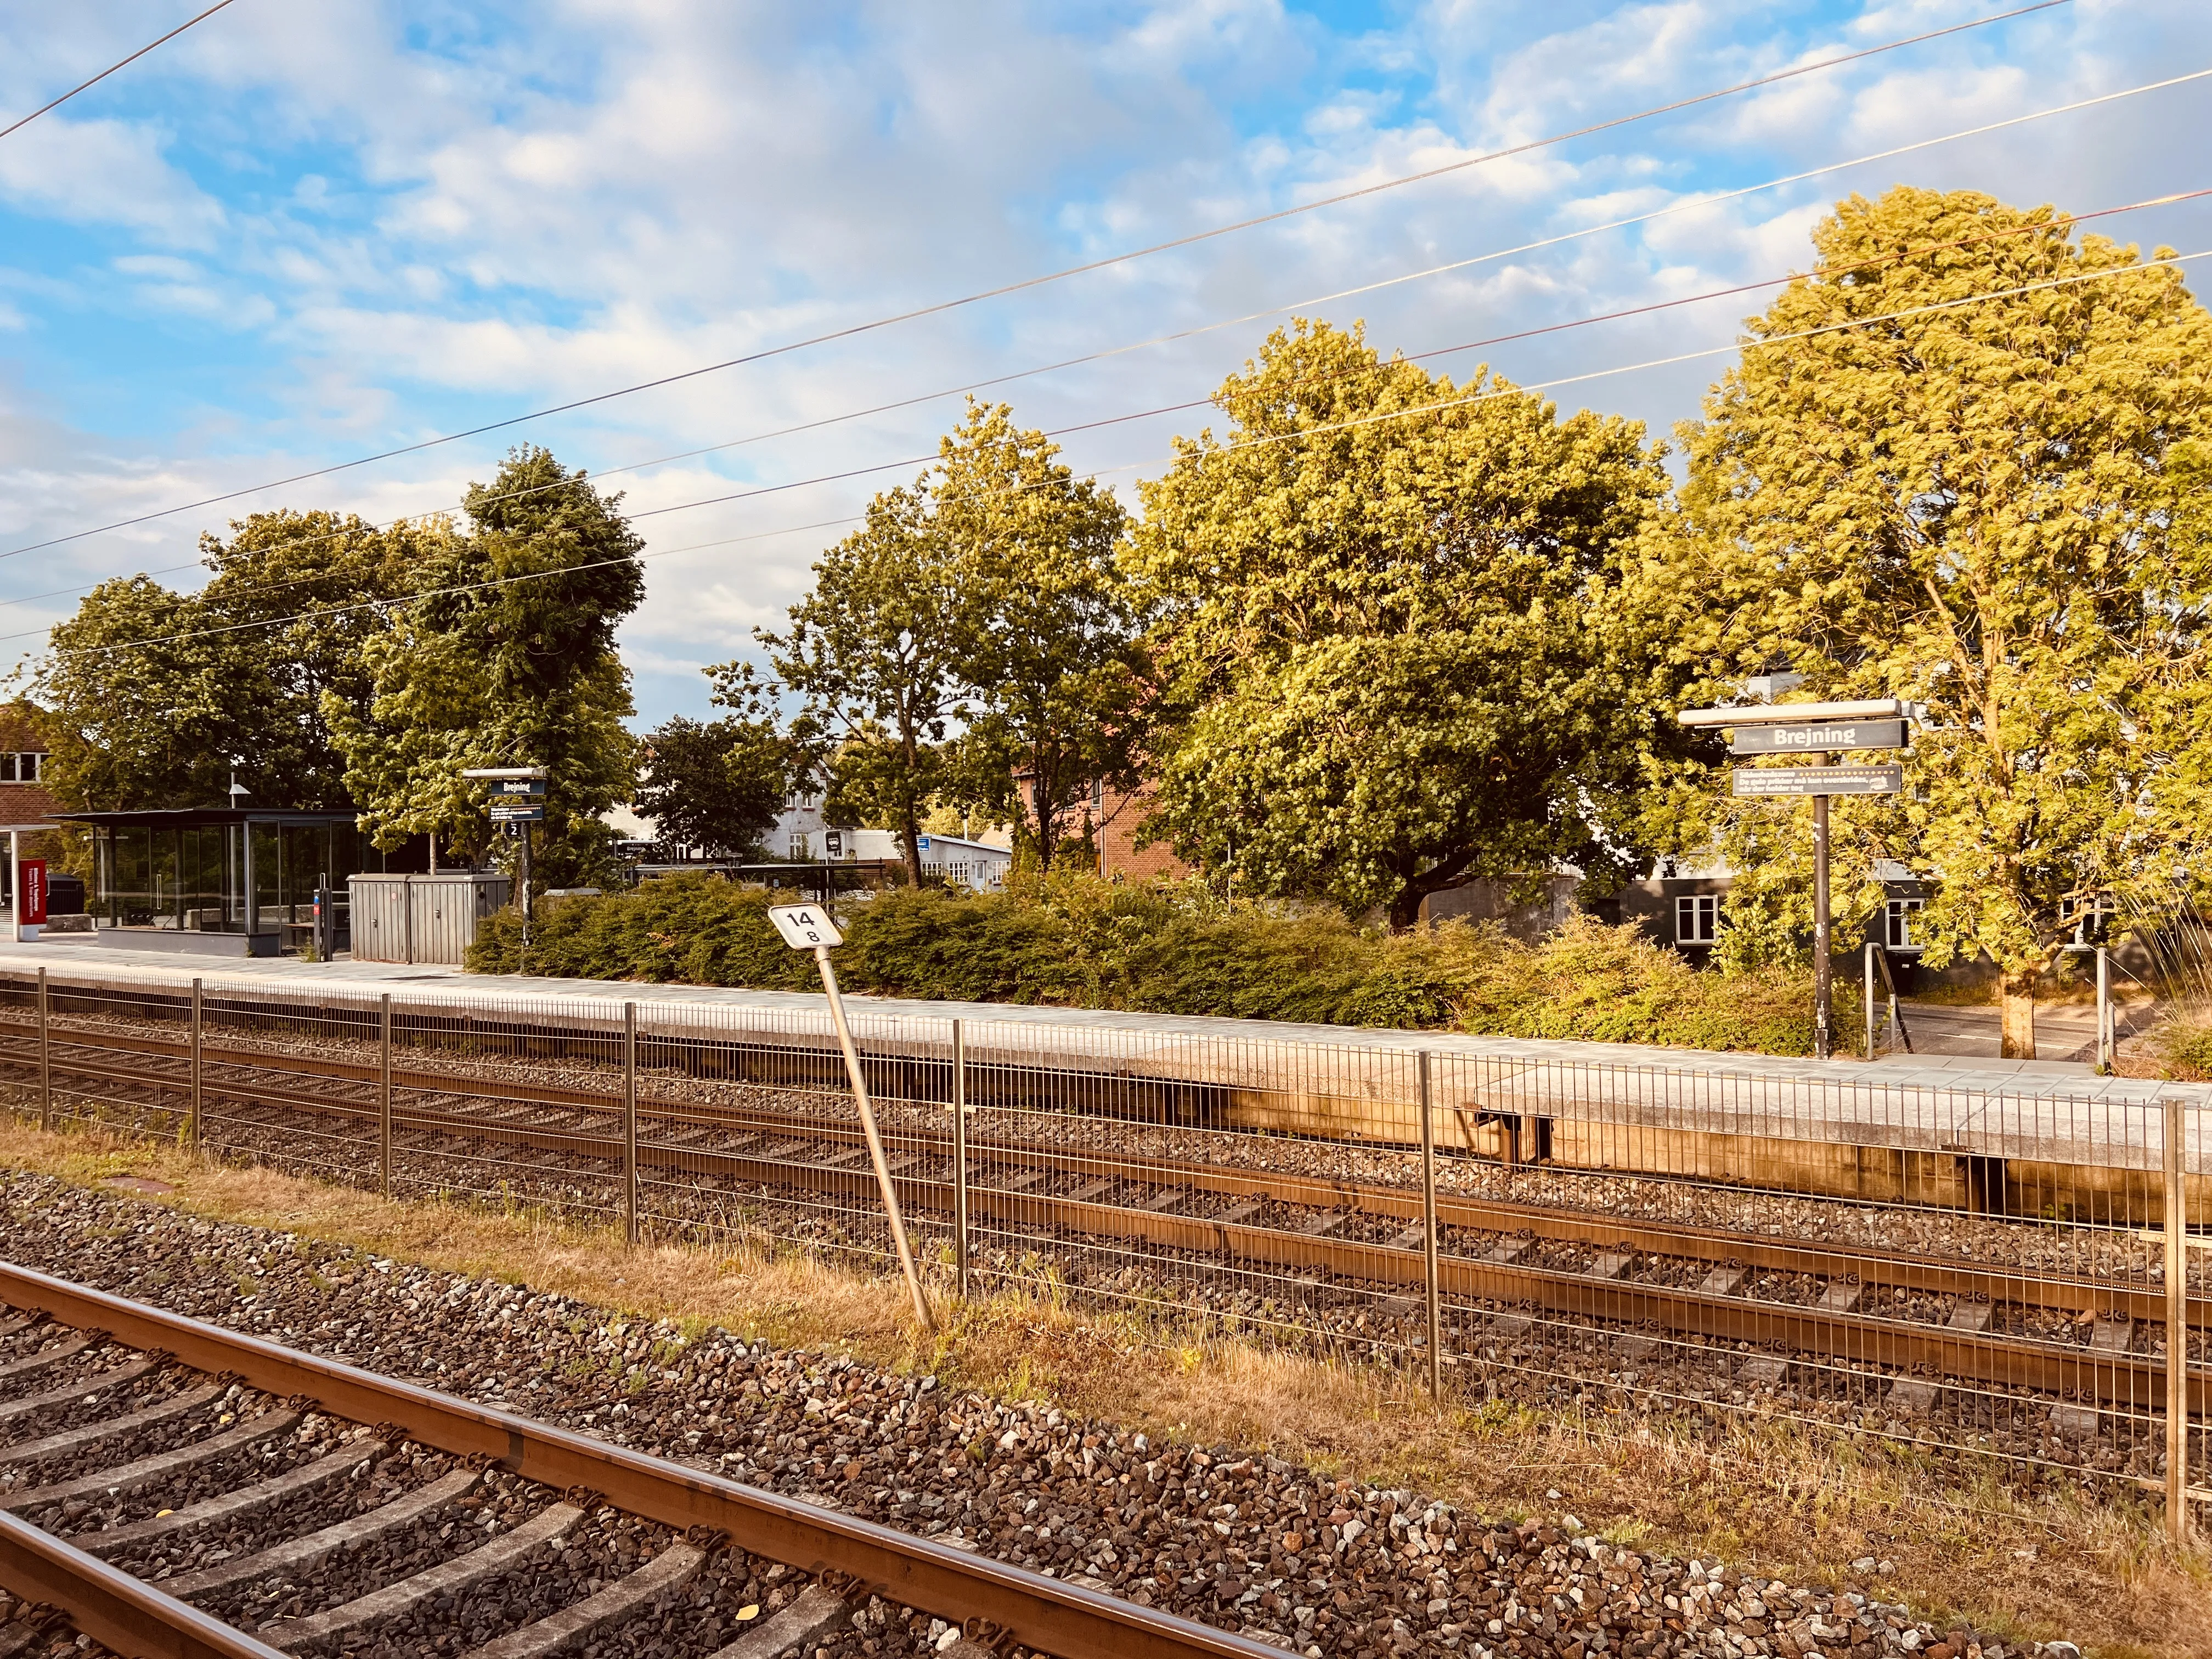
<point x="384" y="1095"/>
<point x="2177" y="1319"/>
<point x="2105" y="1035"/>
<point x="1429" y="1231"/>
<point x="45" y="1061"/>
<point x="630" y="1124"/>
<point x="1867" y="997"/>
<point x="960" y="1157"/>
<point x="193" y="1132"/>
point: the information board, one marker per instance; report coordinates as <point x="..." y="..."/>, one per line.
<point x="1819" y="780"/>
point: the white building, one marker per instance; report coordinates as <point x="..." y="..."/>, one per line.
<point x="965" y="863"/>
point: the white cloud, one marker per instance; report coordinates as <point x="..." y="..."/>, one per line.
<point x="495" y="207"/>
<point x="106" y="173"/>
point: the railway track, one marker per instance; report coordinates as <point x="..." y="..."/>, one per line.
<point x="1909" y="1321"/>
<point x="173" y="1488"/>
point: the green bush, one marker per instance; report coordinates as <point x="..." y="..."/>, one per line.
<point x="1081" y="942"/>
<point x="2182" y="1045"/>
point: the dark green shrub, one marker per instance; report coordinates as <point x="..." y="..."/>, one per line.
<point x="1081" y="942"/>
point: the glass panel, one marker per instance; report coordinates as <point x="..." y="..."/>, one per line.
<point x="131" y="897"/>
<point x="201" y="875"/>
<point x="267" y="860"/>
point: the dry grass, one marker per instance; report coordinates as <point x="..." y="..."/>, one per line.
<point x="2091" y="1566"/>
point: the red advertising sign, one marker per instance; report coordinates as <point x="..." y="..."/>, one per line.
<point x="31" y="883"/>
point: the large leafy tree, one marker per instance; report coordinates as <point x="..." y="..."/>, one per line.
<point x="876" y="650"/>
<point x="718" y="785"/>
<point x="1391" y="629"/>
<point x="1055" y="654"/>
<point x="158" y="696"/>
<point x="507" y="656"/>
<point x="1952" y="467"/>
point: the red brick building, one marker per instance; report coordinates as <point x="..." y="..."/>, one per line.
<point x="1116" y="817"/>
<point x="24" y="797"/>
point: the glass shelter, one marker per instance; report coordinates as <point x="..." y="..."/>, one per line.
<point x="223" y="880"/>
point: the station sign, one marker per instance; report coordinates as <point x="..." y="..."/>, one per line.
<point x="517" y="812"/>
<point x="1813" y="739"/>
<point x="517" y="786"/>
<point x="1819" y="780"/>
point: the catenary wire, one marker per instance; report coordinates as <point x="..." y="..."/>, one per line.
<point x="1126" y="256"/>
<point x="2035" y="228"/>
<point x="1687" y="205"/>
<point x="1234" y="447"/>
<point x="120" y="64"/>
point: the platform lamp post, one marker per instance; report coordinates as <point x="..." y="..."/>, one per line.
<point x="1816" y="729"/>
<point x="518" y="800"/>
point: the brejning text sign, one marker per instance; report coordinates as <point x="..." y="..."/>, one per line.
<point x="1812" y="739"/>
<point x="804" y="926"/>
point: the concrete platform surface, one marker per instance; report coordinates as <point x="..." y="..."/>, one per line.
<point x="2052" y="1112"/>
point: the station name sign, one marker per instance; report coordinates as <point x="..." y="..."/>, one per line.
<point x="1812" y="739"/>
<point x="1819" y="780"/>
<point x="517" y="786"/>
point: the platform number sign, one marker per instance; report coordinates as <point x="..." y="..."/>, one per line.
<point x="805" y="927"/>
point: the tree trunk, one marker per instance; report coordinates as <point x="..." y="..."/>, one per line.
<point x="910" y="835"/>
<point x="1406" y="909"/>
<point x="2017" y="997"/>
<point x="1039" y="795"/>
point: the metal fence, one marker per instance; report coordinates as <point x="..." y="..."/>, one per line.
<point x="2007" y="1274"/>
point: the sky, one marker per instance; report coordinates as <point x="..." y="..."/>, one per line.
<point x="297" y="235"/>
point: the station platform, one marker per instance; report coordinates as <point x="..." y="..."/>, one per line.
<point x="1957" y="1131"/>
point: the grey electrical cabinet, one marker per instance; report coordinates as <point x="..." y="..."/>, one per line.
<point x="423" y="918"/>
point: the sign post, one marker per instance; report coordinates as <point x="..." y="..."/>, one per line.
<point x="518" y="800"/>
<point x="808" y="927"/>
<point x="1817" y="729"/>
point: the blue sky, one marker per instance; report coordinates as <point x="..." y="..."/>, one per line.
<point x="300" y="234"/>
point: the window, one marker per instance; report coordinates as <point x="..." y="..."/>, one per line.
<point x="26" y="767"/>
<point x="1697" y="918"/>
<point x="1896" y="924"/>
<point x="799" y="847"/>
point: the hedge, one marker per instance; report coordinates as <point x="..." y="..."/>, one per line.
<point x="1082" y="942"/>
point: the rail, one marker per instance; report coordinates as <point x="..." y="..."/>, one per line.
<point x="1068" y="1620"/>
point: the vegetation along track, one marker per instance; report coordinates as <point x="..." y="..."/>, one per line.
<point x="392" y="1505"/>
<point x="1927" y="1318"/>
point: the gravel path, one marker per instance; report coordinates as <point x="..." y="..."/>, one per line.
<point x="1320" y="1567"/>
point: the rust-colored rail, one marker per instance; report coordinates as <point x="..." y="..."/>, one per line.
<point x="1046" y="1614"/>
<point x="1874" y="1267"/>
<point x="2129" y="1380"/>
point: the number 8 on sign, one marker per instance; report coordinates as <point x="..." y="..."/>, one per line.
<point x="804" y="926"/>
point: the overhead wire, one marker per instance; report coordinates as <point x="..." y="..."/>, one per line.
<point x="1124" y="257"/>
<point x="123" y="63"/>
<point x="1221" y="451"/>
<point x="1686" y="205"/>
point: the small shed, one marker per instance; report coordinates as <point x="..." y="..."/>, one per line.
<point x="430" y="918"/>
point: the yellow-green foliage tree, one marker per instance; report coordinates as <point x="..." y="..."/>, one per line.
<point x="506" y="655"/>
<point x="1945" y="470"/>
<point x="159" y="697"/>
<point x="1389" y="629"/>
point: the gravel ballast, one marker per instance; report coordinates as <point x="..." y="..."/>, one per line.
<point x="1252" y="1543"/>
